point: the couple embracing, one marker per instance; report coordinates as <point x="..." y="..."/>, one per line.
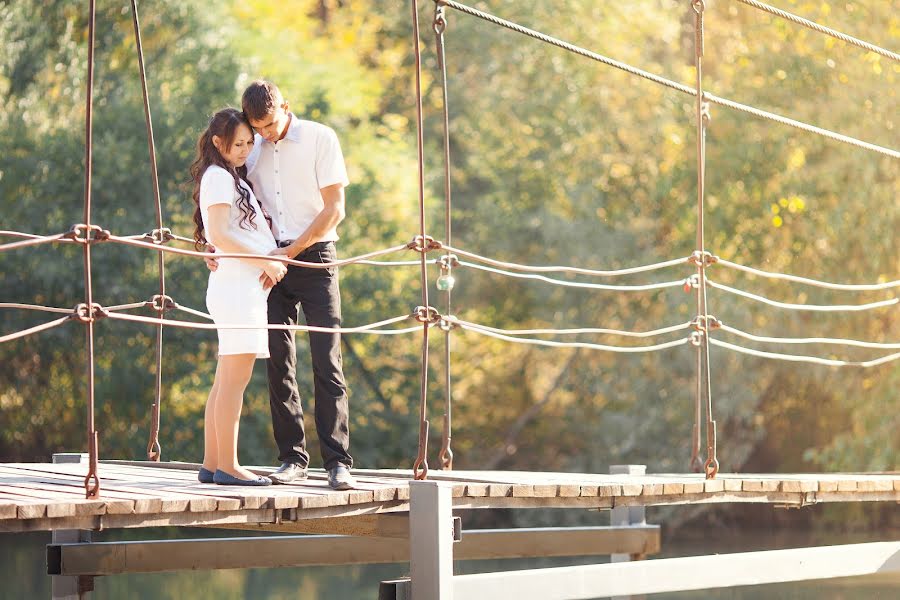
<point x="268" y="183"/>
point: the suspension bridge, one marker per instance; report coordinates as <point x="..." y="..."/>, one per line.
<point x="69" y="498"/>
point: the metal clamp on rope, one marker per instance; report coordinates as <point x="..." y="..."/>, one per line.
<point x="448" y="261"/>
<point x="691" y="283"/>
<point x="161" y="303"/>
<point x="160" y="236"/>
<point x="448" y="323"/>
<point x="82" y="234"/>
<point x="706" y="260"/>
<point x="696" y="338"/>
<point x="705" y="114"/>
<point x="84" y="315"/>
<point x="430" y="244"/>
<point x="429" y="314"/>
<point x="440" y="19"/>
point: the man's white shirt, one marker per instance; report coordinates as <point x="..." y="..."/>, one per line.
<point x="287" y="176"/>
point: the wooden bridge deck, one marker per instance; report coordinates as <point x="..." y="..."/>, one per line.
<point x="42" y="496"/>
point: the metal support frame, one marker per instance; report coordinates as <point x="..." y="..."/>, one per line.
<point x="627" y="515"/>
<point x="73" y="587"/>
<point x="156" y="556"/>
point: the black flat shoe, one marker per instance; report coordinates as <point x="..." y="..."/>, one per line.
<point x="222" y="478"/>
<point x="204" y="475"/>
<point x="288" y="472"/>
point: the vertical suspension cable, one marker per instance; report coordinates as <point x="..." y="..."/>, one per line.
<point x="91" y="480"/>
<point x="439" y="26"/>
<point x="154" y="450"/>
<point x="711" y="466"/>
<point x="420" y="466"/>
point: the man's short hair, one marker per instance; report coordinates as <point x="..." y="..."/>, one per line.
<point x="260" y="99"/>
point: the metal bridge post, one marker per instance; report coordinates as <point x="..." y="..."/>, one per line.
<point x="67" y="587"/>
<point x="431" y="540"/>
<point x="627" y="515"/>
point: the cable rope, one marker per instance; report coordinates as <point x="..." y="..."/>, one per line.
<point x="810" y="359"/>
<point x="822" y="29"/>
<point x="194" y="253"/>
<point x="574" y="270"/>
<point x="576" y="284"/>
<point x="814" y="282"/>
<point x="370" y="328"/>
<point x="518" y="340"/>
<point x="808" y="307"/>
<point x="663" y="81"/>
<point x="816" y="340"/>
<point x="583" y="330"/>
<point x="32" y="241"/>
<point x="35" y="329"/>
<point x="38" y="307"/>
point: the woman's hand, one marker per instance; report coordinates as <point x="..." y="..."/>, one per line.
<point x="274" y="270"/>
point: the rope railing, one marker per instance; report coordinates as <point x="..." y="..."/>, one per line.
<point x="490" y="332"/>
<point x="808" y="359"/>
<point x="577" y="331"/>
<point x="36" y="329"/>
<point x="807" y="307"/>
<point x="822" y="29"/>
<point x="576" y="284"/>
<point x="573" y="270"/>
<point x="815" y="340"/>
<point x="814" y="282"/>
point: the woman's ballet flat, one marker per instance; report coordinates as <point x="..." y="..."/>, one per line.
<point x="222" y="478"/>
<point x="204" y="475"/>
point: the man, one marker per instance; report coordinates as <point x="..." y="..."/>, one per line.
<point x="298" y="175"/>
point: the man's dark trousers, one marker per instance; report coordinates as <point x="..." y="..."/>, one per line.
<point x="316" y="291"/>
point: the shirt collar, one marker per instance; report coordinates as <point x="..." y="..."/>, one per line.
<point x="293" y="132"/>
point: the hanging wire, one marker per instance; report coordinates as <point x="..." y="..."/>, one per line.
<point x="420" y="466"/>
<point x="440" y="25"/>
<point x="154" y="451"/>
<point x="92" y="479"/>
<point x="704" y="384"/>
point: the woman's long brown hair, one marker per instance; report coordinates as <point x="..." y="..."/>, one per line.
<point x="223" y="124"/>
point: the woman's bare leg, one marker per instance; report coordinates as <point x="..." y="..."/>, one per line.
<point x="232" y="375"/>
<point x="210" y="449"/>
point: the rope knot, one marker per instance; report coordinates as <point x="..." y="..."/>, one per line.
<point x="448" y="323"/>
<point x="691" y="283"/>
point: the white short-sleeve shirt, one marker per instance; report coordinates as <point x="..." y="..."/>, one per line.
<point x="217" y="187"/>
<point x="288" y="175"/>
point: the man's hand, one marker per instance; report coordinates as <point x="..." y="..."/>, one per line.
<point x="286" y="251"/>
<point x="211" y="263"/>
<point x="266" y="281"/>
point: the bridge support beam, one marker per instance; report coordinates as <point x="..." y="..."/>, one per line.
<point x="78" y="587"/>
<point x="431" y="533"/>
<point x="623" y="516"/>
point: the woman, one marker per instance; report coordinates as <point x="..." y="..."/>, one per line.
<point x="229" y="217"/>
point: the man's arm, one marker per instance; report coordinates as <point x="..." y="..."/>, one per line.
<point x="332" y="214"/>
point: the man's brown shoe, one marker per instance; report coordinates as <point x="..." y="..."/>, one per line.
<point x="288" y="473"/>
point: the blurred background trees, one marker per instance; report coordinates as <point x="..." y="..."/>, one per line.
<point x="555" y="160"/>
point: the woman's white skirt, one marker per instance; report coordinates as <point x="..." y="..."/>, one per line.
<point x="235" y="296"/>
